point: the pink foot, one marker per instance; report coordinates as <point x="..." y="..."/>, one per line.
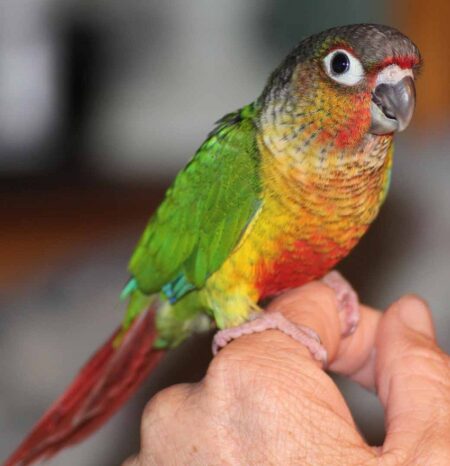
<point x="273" y="320"/>
<point x="347" y="300"/>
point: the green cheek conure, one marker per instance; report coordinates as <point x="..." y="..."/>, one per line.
<point x="280" y="191"/>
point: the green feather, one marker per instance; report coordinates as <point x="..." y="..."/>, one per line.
<point x="128" y="289"/>
<point x="204" y="213"/>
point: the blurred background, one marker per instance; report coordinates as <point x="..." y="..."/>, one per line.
<point x="101" y="102"/>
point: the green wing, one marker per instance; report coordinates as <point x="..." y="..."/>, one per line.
<point x="204" y="213"/>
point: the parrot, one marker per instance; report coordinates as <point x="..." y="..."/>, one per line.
<point x="278" y="193"/>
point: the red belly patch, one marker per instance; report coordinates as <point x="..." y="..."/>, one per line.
<point x="299" y="264"/>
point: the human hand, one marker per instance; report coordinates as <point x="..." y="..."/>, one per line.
<point x="264" y="400"/>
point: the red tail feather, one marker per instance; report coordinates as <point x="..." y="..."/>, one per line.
<point x="103" y="385"/>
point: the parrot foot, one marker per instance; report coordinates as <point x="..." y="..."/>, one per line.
<point x="347" y="300"/>
<point x="273" y="321"/>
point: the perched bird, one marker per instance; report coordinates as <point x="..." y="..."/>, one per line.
<point x="278" y="193"/>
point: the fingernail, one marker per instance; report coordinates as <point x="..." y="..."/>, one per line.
<point x="415" y="314"/>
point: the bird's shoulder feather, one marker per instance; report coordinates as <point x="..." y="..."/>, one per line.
<point x="204" y="213"/>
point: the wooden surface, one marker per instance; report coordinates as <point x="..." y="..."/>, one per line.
<point x="428" y="24"/>
<point x="41" y="225"/>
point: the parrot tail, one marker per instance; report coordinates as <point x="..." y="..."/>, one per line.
<point x="102" y="386"/>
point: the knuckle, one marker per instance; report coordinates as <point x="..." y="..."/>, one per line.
<point x="327" y="292"/>
<point x="433" y="448"/>
<point x="262" y="380"/>
<point x="131" y="461"/>
<point x="428" y="357"/>
<point x="244" y="366"/>
<point x="321" y="294"/>
<point x="222" y="370"/>
<point x="422" y="365"/>
<point x="231" y="376"/>
<point x="161" y="407"/>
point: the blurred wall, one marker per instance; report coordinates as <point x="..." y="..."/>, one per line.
<point x="130" y="89"/>
<point x="126" y="91"/>
<point x="428" y="24"/>
<point x="30" y="99"/>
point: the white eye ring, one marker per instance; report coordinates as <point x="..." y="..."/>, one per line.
<point x="350" y="75"/>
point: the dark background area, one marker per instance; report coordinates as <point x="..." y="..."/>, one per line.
<point x="101" y="102"/>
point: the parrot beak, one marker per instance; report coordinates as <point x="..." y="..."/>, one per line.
<point x="392" y="106"/>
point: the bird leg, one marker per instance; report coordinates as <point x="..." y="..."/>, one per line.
<point x="348" y="305"/>
<point x="348" y="302"/>
<point x="273" y="321"/>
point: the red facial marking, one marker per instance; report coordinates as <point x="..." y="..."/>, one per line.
<point x="404" y="62"/>
<point x="355" y="122"/>
<point x="350" y="132"/>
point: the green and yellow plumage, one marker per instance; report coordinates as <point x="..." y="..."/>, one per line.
<point x="278" y="193"/>
<point x="212" y="218"/>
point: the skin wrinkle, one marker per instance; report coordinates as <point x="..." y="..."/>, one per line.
<point x="437" y="382"/>
<point x="261" y="364"/>
<point x="238" y="420"/>
<point x="257" y="357"/>
<point x="261" y="360"/>
<point x="415" y="414"/>
<point x="265" y="413"/>
<point x="325" y="437"/>
<point x="161" y="406"/>
<point x="214" y="405"/>
<point x="397" y="362"/>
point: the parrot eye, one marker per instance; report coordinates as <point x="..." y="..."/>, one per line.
<point x="340" y="63"/>
<point x="343" y="67"/>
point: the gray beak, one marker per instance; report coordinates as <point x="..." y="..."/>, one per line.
<point x="392" y="106"/>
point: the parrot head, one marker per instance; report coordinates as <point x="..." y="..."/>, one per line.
<point x="344" y="84"/>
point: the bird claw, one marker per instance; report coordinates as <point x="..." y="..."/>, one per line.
<point x="273" y="321"/>
<point x="348" y="302"/>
